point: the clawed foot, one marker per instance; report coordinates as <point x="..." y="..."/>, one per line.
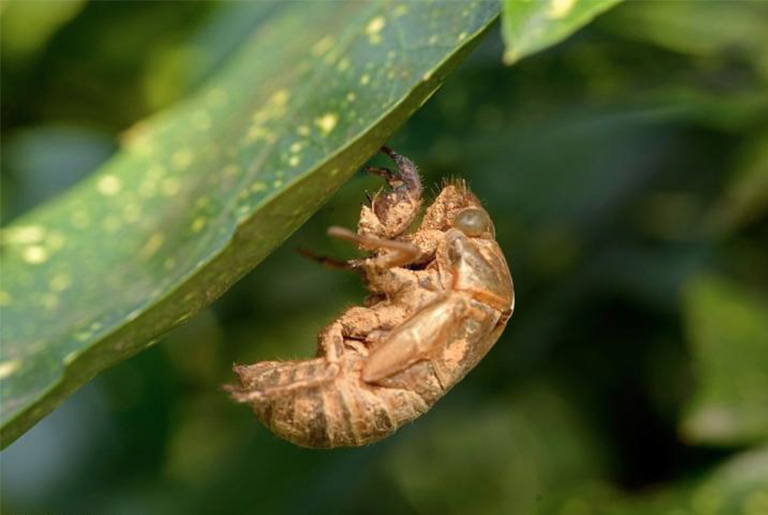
<point x="390" y="213"/>
<point x="392" y="209"/>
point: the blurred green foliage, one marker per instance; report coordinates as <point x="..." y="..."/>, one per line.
<point x="728" y="334"/>
<point x="625" y="170"/>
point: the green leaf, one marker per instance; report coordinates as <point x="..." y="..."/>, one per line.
<point x="728" y="336"/>
<point x="532" y="25"/>
<point x="203" y="192"/>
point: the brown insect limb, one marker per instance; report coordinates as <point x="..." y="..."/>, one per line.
<point x="416" y="339"/>
<point x="255" y="375"/>
<point x="330" y="347"/>
<point x="407" y="170"/>
<point x="328" y="262"/>
<point x="440" y="298"/>
<point x="401" y="253"/>
<point x="393" y="210"/>
<point x="391" y="177"/>
<point x="268" y="393"/>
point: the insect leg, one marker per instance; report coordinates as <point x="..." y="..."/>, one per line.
<point x="330" y="343"/>
<point x="402" y="252"/>
<point x="421" y="337"/>
<point x="407" y="170"/>
<point x="266" y="380"/>
<point x="392" y="210"/>
<point x="329" y="262"/>
<point x="386" y="173"/>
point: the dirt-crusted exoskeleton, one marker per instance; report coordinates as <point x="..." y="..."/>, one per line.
<point x="440" y="298"/>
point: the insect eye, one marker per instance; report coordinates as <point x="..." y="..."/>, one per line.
<point x="473" y="221"/>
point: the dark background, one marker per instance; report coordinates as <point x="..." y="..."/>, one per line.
<point x="626" y="172"/>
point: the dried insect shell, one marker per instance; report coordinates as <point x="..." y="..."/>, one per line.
<point x="441" y="297"/>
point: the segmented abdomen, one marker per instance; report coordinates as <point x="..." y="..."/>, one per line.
<point x="316" y="404"/>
